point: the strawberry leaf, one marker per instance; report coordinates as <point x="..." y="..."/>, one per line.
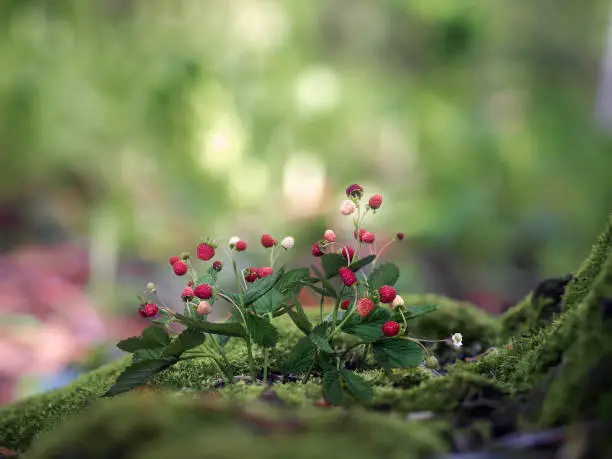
<point x="398" y="353"/>
<point x="261" y="330"/>
<point x="218" y="328"/>
<point x="300" y="357"/>
<point x="332" y="389"/>
<point x="357" y="386"/>
<point x="188" y="339"/>
<point x="138" y="373"/>
<point x="384" y="274"/>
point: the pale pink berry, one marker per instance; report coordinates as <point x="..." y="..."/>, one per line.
<point x="204" y="308"/>
<point x="347" y="207"/>
<point x="330" y="236"/>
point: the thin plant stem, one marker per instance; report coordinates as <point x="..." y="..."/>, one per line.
<point x="308" y="373"/>
<point x="251" y="361"/>
<point x="265" y="369"/>
<point x="237" y="276"/>
<point x="321" y="308"/>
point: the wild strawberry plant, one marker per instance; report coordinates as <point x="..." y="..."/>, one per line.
<point x="367" y="316"/>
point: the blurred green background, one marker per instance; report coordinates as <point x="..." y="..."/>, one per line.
<point x="136" y="127"/>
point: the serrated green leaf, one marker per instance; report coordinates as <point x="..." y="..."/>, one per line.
<point x="133" y="343"/>
<point x="332" y="389"/>
<point x="262" y="286"/>
<point x="155" y="334"/>
<point x="362" y="263"/>
<point x="384" y="274"/>
<point x="291" y="279"/>
<point x="188" y="339"/>
<point x="147" y="354"/>
<point x="319" y="337"/>
<point x="331" y="263"/>
<point x="368" y="329"/>
<point x="357" y="386"/>
<point x="270" y="302"/>
<point x="218" y="328"/>
<point x="398" y="353"/>
<point x="209" y="278"/>
<point x="138" y="373"/>
<point x="326" y="361"/>
<point x="300" y="357"/>
<point x="416" y="311"/>
<point x="299" y="318"/>
<point x="327" y="288"/>
<point x="261" y="330"/>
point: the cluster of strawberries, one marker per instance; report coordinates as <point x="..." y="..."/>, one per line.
<point x="387" y="294"/>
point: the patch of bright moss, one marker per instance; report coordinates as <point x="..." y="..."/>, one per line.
<point x="20" y="422"/>
<point x="156" y="426"/>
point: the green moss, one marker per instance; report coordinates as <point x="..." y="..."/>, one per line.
<point x="441" y="394"/>
<point x="584" y="278"/>
<point x="144" y="426"/>
<point x="21" y="421"/>
<point x="581" y="389"/>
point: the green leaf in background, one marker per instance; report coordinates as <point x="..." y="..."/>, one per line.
<point x="357" y="386"/>
<point x="261" y="330"/>
<point x="416" y="311"/>
<point x="319" y="337"/>
<point x="300" y="357"/>
<point x="155" y="334"/>
<point x="147" y="354"/>
<point x="299" y="318"/>
<point x="262" y="286"/>
<point x="151" y="337"/>
<point x="331" y="263"/>
<point x="269" y="302"/>
<point x="362" y="263"/>
<point x="332" y="389"/>
<point x="138" y="373"/>
<point x="219" y="328"/>
<point x="291" y="280"/>
<point x="369" y="329"/>
<point x="327" y="289"/>
<point x="188" y="339"/>
<point x="398" y="353"/>
<point x="384" y="274"/>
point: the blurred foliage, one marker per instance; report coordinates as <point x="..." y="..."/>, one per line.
<point x="146" y="124"/>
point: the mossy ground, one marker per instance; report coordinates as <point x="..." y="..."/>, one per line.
<point x="559" y="363"/>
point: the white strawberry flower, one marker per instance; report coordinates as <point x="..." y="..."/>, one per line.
<point x="287" y="242"/>
<point x="457" y="340"/>
<point x="233" y="241"/>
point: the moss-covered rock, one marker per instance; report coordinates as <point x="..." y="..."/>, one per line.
<point x="158" y="425"/>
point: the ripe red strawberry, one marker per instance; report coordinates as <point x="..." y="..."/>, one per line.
<point x="150" y="309"/>
<point x="316" y="250"/>
<point x="251" y="275"/>
<point x="264" y="271"/>
<point x="375" y="201"/>
<point x="348" y="253"/>
<point x="367" y="237"/>
<point x="345" y="304"/>
<point x="387" y="294"/>
<point x="217" y="266"/>
<point x="354" y="191"/>
<point x="268" y="241"/>
<point x="240" y="246"/>
<point x="180" y="268"/>
<point x="390" y="328"/>
<point x="187" y="293"/>
<point x="174" y="259"/>
<point x="347" y="276"/>
<point x="203" y="291"/>
<point x="361" y="231"/>
<point x="364" y="307"/>
<point x="205" y="251"/>
<point x="399" y="236"/>
<point x="141" y="312"/>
